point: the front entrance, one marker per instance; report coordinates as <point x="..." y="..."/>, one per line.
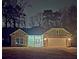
<point x="38" y="41"/>
<point x="35" y="41"/>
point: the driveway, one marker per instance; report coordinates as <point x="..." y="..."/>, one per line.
<point x="38" y="53"/>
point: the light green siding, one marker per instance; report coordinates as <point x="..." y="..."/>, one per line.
<point x="35" y="40"/>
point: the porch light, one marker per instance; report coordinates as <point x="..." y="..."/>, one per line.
<point x="45" y="39"/>
<point x="69" y="39"/>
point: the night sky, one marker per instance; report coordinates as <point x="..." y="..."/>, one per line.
<point x="40" y="5"/>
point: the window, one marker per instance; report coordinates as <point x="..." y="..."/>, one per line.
<point x="19" y="41"/>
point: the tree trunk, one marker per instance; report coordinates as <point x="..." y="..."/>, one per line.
<point x="14" y="23"/>
<point x="6" y="23"/>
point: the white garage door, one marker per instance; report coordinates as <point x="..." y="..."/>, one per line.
<point x="56" y="41"/>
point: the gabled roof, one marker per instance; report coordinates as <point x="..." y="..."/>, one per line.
<point x="58" y="31"/>
<point x="40" y="31"/>
<point x="19" y="31"/>
<point x="36" y="31"/>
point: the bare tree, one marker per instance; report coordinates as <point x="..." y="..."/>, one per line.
<point x="12" y="11"/>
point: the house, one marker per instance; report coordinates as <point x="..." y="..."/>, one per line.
<point x="38" y="37"/>
<point x="19" y="38"/>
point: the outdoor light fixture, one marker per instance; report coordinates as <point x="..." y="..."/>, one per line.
<point x="45" y="39"/>
<point x="69" y="39"/>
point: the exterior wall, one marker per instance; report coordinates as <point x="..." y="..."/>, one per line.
<point x="35" y="41"/>
<point x="69" y="42"/>
<point x="17" y="35"/>
<point x="25" y="40"/>
<point x="12" y="41"/>
<point x="54" y="36"/>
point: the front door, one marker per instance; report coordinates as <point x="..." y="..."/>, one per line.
<point x="38" y="42"/>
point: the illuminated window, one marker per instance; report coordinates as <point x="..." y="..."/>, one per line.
<point x="19" y="41"/>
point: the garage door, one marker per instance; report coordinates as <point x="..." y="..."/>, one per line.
<point x="56" y="41"/>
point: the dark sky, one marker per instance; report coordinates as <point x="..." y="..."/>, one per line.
<point x="40" y="5"/>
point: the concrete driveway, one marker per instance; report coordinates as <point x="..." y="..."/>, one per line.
<point x="38" y="53"/>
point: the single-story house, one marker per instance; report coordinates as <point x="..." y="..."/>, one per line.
<point x="38" y="37"/>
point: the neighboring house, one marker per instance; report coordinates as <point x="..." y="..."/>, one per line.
<point x="38" y="37"/>
<point x="19" y="38"/>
